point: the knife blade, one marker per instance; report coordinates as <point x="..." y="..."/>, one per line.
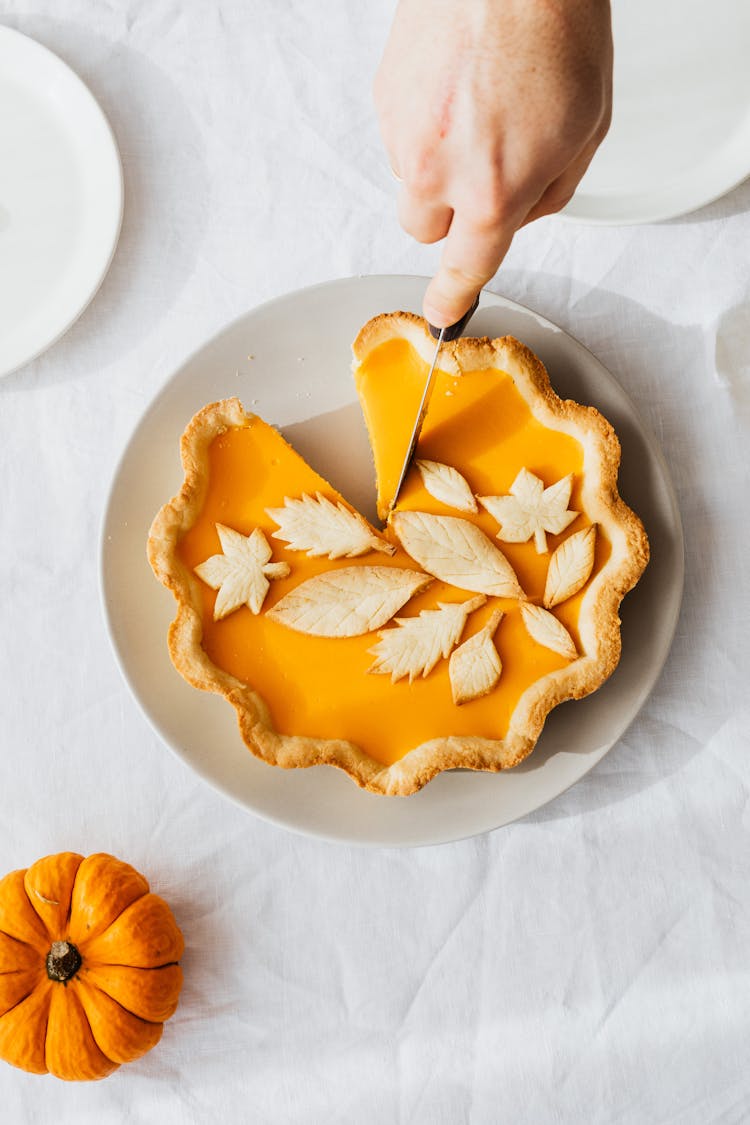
<point x="442" y="335"/>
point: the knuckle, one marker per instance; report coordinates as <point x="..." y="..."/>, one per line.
<point x="422" y="174"/>
<point x="460" y="278"/>
<point x="422" y="223"/>
<point x="603" y="127"/>
<point x="555" y="203"/>
<point x="488" y="203"/>
<point x="423" y="183"/>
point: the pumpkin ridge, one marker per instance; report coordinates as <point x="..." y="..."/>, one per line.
<point x="24" y="1044"/>
<point x="37" y="934"/>
<point x="144" y="936"/>
<point x="88" y="994"/>
<point x="36" y="915"/>
<point x="46" y="1021"/>
<point x="66" y="1047"/>
<point x="23" y="998"/>
<point x="18" y="941"/>
<point x="82" y="941"/>
<point x="88" y="1024"/>
<point x="70" y="904"/>
<point x="95" y="988"/>
<point x="91" y="1030"/>
<point x="98" y="964"/>
<point x="126" y="984"/>
<point x="54" y="926"/>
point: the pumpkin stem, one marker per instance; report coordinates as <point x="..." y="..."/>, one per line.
<point x="63" y="961"/>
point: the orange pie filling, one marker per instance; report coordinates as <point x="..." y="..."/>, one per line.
<point x="323" y="687"/>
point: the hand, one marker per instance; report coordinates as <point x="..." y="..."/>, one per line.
<point x="490" y="111"/>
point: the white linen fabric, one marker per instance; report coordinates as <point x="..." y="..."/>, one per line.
<point x="587" y="964"/>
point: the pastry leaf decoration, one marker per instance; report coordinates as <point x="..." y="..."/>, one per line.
<point x="349" y="601"/>
<point x="414" y="646"/>
<point x="544" y="628"/>
<point x="318" y="526"/>
<point x="570" y="566"/>
<point x="447" y="485"/>
<point x="457" y="551"/>
<point x="474" y="667"/>
<point x="241" y="573"/>
<point x="531" y="509"/>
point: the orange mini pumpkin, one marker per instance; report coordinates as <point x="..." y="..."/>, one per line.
<point x="88" y="966"/>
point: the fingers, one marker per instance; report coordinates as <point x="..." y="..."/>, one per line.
<point x="426" y="220"/>
<point x="560" y="191"/>
<point x="473" y="251"/>
<point x="471" y="257"/>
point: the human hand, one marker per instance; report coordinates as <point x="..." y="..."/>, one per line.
<point x="490" y="112"/>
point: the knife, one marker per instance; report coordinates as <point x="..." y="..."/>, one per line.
<point x="442" y="335"/>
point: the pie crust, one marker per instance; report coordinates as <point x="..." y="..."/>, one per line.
<point x="596" y="630"/>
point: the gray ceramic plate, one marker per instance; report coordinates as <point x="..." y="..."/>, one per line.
<point x="300" y="380"/>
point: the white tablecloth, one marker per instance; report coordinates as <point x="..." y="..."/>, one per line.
<point x="587" y="964"/>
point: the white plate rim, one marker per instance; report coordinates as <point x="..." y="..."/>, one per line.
<point x="722" y="155"/>
<point x="444" y="835"/>
<point x="108" y="154"/>
<point x="649" y="209"/>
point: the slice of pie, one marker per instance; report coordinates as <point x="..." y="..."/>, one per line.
<point x="440" y="642"/>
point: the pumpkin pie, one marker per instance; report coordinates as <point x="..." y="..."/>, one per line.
<point x="441" y="640"/>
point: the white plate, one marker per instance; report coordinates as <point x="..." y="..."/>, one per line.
<point x="680" y="134"/>
<point x="290" y="361"/>
<point x="60" y="198"/>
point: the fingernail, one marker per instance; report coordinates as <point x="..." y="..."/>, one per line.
<point x="436" y="318"/>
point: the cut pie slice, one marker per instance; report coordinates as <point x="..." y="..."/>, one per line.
<point x="509" y="529"/>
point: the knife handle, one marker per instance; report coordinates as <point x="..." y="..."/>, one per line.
<point x="453" y="331"/>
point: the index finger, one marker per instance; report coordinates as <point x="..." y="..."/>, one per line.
<point x="471" y="257"/>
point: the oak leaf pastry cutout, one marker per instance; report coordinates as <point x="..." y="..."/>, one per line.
<point x="318" y="526"/>
<point x="298" y="670"/>
<point x="532" y="509"/>
<point x="415" y="645"/>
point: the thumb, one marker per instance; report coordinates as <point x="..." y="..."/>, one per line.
<point x="471" y="257"/>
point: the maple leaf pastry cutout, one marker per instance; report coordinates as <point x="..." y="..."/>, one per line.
<point x="241" y="573"/>
<point x="531" y="509"/>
